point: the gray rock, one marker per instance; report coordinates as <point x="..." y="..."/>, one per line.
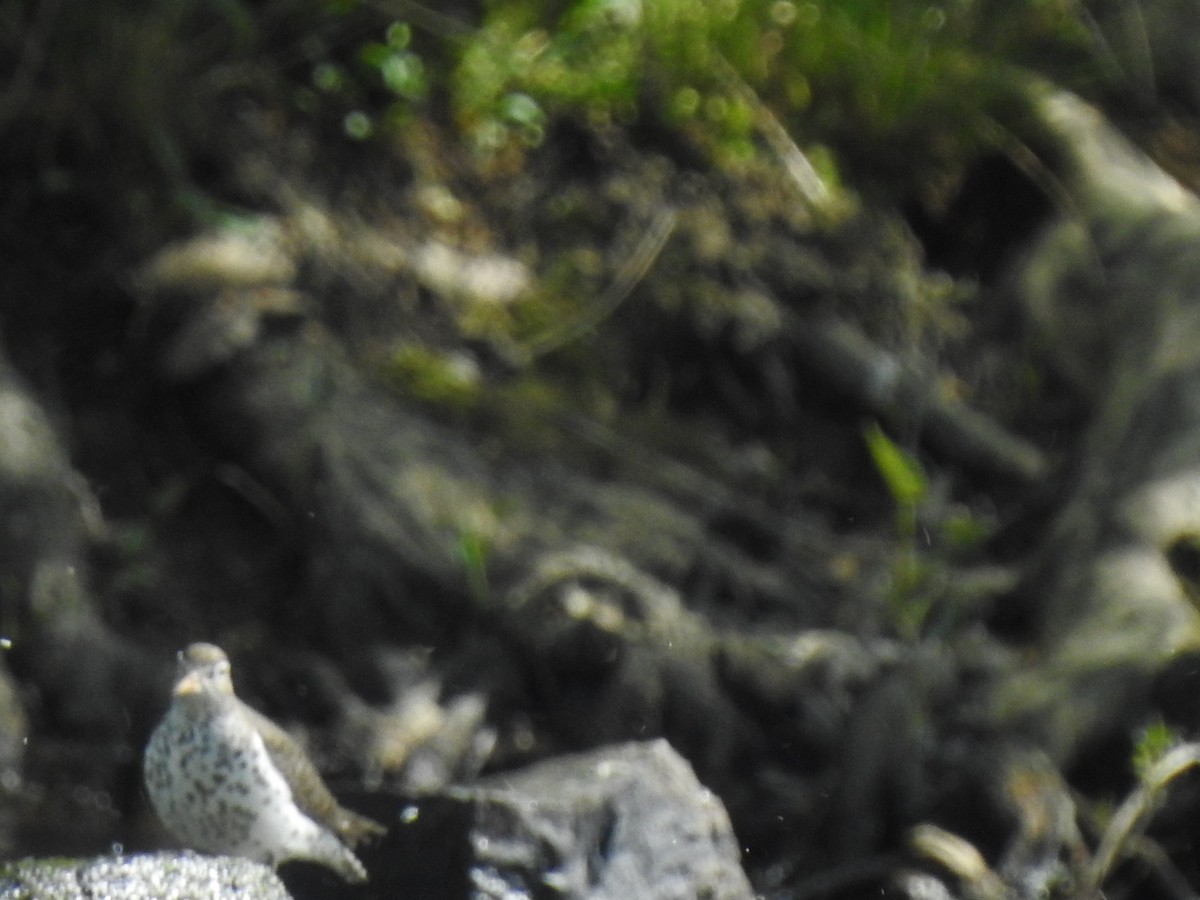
<point x="620" y="822"/>
<point x="164" y="876"/>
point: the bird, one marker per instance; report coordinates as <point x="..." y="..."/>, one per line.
<point x="229" y="781"/>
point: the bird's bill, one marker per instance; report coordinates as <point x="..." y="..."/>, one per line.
<point x="188" y="684"/>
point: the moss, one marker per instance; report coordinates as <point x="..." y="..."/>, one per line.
<point x="893" y="86"/>
<point x="525" y="410"/>
<point x="449" y="380"/>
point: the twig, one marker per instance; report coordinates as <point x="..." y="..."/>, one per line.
<point x="631" y="273"/>
<point x="959" y="857"/>
<point x="1133" y="815"/>
<point x="813" y="191"/>
<point x="879" y="381"/>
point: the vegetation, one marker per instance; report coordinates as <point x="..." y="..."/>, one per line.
<point x="884" y="85"/>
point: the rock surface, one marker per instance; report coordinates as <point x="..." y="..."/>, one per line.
<point x="624" y="821"/>
<point x="165" y="876"/>
<point x="629" y="820"/>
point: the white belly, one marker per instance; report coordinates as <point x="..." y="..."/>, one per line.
<point x="215" y="787"/>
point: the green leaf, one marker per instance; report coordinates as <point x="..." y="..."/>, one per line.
<point x="1155" y="740"/>
<point x="473" y="550"/>
<point x="903" y="475"/>
<point x="399" y="34"/>
<point x="404" y="75"/>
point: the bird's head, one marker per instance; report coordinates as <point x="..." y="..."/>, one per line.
<point x="203" y="669"/>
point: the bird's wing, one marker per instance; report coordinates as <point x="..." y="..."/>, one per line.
<point x="308" y="788"/>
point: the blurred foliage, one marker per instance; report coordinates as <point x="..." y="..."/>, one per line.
<point x="878" y="80"/>
<point x="449" y="381"/>
<point x="908" y="603"/>
<point x="1151" y="744"/>
<point x="902" y="474"/>
<point x="139" y="86"/>
<point x="925" y="534"/>
<point x="473" y="550"/>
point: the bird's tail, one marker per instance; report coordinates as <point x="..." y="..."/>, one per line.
<point x="333" y="853"/>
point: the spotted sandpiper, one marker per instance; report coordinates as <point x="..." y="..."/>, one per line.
<point x="228" y="780"/>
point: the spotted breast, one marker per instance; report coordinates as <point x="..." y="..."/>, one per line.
<point x="226" y="780"/>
